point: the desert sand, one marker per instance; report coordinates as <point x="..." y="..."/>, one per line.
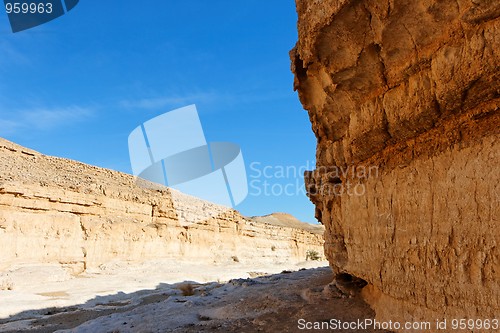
<point x="132" y="300"/>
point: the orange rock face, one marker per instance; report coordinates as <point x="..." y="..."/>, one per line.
<point x="403" y="97"/>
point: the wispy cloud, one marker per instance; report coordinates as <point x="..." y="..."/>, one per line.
<point x="8" y="127"/>
<point x="11" y="54"/>
<point x="167" y="101"/>
<point x="42" y="119"/>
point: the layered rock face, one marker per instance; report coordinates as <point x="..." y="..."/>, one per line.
<point x="58" y="211"/>
<point x="403" y="97"/>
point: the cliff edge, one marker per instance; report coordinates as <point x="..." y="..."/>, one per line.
<point x="403" y="97"/>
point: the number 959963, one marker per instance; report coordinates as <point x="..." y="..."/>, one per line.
<point x="28" y="8"/>
<point x="475" y="324"/>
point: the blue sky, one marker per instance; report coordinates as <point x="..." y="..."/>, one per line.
<point x="77" y="86"/>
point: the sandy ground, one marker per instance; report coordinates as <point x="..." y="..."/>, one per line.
<point x="42" y="287"/>
<point x="36" y="287"/>
<point x="173" y="297"/>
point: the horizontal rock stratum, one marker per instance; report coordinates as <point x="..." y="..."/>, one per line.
<point x="403" y="97"/>
<point x="57" y="211"/>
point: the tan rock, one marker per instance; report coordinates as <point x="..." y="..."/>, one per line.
<point x="59" y="211"/>
<point x="407" y="91"/>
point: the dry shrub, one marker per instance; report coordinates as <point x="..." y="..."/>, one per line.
<point x="187" y="289"/>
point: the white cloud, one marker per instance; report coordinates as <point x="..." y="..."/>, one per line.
<point x="168" y="101"/>
<point x="171" y="101"/>
<point x="42" y="119"/>
<point x="8" y="127"/>
<point x="11" y="54"/>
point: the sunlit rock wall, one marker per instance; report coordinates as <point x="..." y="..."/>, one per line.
<point x="59" y="211"/>
<point x="403" y="97"/>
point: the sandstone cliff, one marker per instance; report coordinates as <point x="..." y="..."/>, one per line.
<point x="403" y="97"/>
<point x="58" y="211"/>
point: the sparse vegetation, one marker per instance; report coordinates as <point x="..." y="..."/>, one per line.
<point x="257" y="274"/>
<point x="312" y="255"/>
<point x="235" y="259"/>
<point x="187" y="289"/>
<point x="273" y="248"/>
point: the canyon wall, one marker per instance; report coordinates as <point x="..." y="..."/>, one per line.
<point x="58" y="211"/>
<point x="403" y="97"/>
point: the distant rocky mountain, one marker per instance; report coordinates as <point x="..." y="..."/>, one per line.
<point x="289" y="221"/>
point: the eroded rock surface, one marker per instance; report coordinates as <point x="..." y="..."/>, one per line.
<point x="403" y="97"/>
<point x="291" y="302"/>
<point x="57" y="211"/>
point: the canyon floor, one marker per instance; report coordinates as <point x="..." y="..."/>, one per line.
<point x="258" y="303"/>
